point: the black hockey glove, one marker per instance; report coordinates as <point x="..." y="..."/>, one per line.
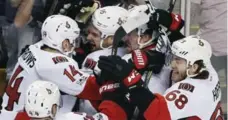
<point x="170" y="21"/>
<point x="114" y="99"/>
<point x="124" y="73"/>
<point x="112" y="93"/>
<point x="119" y="70"/>
<point x="102" y="78"/>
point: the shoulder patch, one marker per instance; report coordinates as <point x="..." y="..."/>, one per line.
<point x="90" y="63"/>
<point x="186" y="87"/>
<point x="59" y="59"/>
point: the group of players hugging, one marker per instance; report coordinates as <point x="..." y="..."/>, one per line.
<point x="140" y="67"/>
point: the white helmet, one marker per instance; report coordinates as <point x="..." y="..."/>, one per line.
<point x="143" y="14"/>
<point x="56" y="29"/>
<point x="40" y="97"/>
<point x="108" y="19"/>
<point x="192" y="49"/>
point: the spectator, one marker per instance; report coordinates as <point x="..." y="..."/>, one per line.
<point x="3" y="52"/>
<point x="25" y="29"/>
<point x="2" y="7"/>
<point x="213" y="27"/>
<point x="213" y="23"/>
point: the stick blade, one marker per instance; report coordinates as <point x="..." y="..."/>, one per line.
<point x="118" y="36"/>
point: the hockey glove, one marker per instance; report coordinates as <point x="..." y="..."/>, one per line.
<point x="102" y="77"/>
<point x="170" y="21"/>
<point x="120" y="71"/>
<point x="149" y="60"/>
<point x="114" y="98"/>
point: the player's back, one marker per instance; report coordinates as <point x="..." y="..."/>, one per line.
<point x="33" y="64"/>
<point x="24" y="74"/>
<point x="195" y="98"/>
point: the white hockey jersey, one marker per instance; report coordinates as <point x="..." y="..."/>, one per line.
<point x="195" y="98"/>
<point x="90" y="64"/>
<point x="36" y="64"/>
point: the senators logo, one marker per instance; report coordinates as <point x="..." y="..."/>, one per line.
<point x="59" y="59"/>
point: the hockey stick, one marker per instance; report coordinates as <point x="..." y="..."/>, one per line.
<point x="126" y="28"/>
<point x="53" y="7"/>
<point x="118" y="36"/>
<point x="171" y="5"/>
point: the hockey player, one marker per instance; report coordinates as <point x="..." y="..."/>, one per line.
<point x="105" y="21"/>
<point x="49" y="59"/>
<point x="143" y="37"/>
<point x="43" y="100"/>
<point x="196" y="93"/>
<point x="141" y="44"/>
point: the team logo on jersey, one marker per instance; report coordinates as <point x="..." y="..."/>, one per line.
<point x="90" y="63"/>
<point x="59" y="59"/>
<point x="186" y="87"/>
